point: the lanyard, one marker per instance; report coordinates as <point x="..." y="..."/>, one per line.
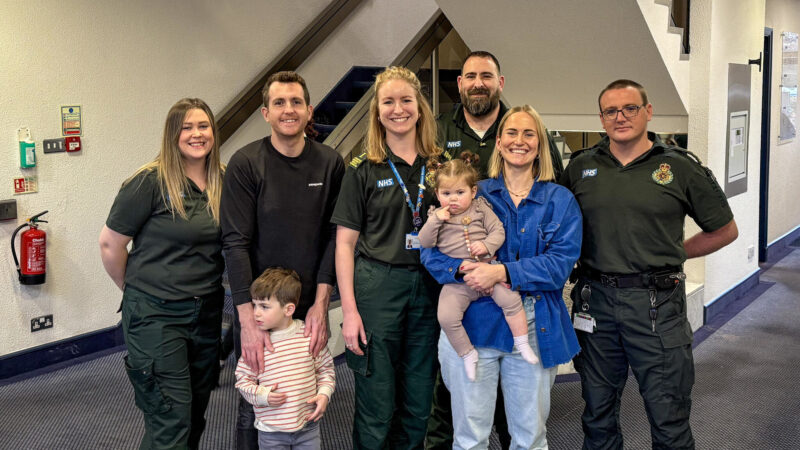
<point x="417" y="220"/>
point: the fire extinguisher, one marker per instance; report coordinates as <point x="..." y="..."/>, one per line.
<point x="32" y="250"/>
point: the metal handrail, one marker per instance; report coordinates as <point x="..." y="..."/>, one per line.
<point x="249" y="100"/>
<point x="352" y="129"/>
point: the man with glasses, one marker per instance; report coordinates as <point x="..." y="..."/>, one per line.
<point x="630" y="301"/>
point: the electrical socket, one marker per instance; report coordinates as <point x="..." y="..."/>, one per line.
<point x="751" y="253"/>
<point x="41" y="323"/>
<point x="8" y="209"/>
<point x="53" y="145"/>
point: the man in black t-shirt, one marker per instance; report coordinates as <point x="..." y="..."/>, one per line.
<point x="277" y="200"/>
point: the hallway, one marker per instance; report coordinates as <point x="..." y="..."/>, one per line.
<point x="745" y="394"/>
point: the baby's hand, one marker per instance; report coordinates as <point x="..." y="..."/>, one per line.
<point x="275" y="398"/>
<point x="322" y="404"/>
<point x="478" y="249"/>
<point x="443" y="213"/>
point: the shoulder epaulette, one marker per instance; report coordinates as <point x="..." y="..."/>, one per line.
<point x="357" y="160"/>
<point x="575" y="153"/>
<point x="447" y="155"/>
<point x="687" y="154"/>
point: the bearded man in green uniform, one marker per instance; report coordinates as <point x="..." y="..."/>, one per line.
<point x="630" y="301"/>
<point x="472" y="126"/>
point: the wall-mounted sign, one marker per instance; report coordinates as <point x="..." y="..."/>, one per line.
<point x="788" y="126"/>
<point x="71" y="120"/>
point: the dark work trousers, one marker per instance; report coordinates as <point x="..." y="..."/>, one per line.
<point x="440" y="424"/>
<point x="246" y="433"/>
<point x="661" y="361"/>
<point x="172" y="363"/>
<point x="394" y="378"/>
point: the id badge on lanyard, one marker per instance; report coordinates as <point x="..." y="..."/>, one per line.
<point x="411" y="241"/>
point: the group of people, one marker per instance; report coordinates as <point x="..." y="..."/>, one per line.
<point x="477" y="201"/>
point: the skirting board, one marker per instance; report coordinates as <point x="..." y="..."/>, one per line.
<point x="780" y="248"/>
<point x="46" y="357"/>
<point x="722" y="302"/>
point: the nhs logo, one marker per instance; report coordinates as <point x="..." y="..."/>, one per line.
<point x="589" y="173"/>
<point x="385" y="183"/>
<point x="453" y="144"/>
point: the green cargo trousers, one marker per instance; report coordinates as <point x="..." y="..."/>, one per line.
<point x="394" y="378"/>
<point x="661" y="361"/>
<point x="172" y="363"/>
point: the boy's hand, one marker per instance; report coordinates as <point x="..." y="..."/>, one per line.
<point x="275" y="398"/>
<point x="322" y="404"/>
<point x="443" y="213"/>
<point x="478" y="249"/>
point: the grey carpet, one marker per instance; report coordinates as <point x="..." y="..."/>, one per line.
<point x="745" y="395"/>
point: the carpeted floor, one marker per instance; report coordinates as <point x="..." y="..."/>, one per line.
<point x="745" y="395"/>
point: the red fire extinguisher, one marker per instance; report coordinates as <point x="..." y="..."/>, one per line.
<point x="32" y="250"/>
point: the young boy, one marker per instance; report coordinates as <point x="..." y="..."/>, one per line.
<point x="293" y="391"/>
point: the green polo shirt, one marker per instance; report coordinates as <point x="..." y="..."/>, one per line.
<point x="372" y="202"/>
<point x="172" y="258"/>
<point x="633" y="215"/>
<point x="456" y="136"/>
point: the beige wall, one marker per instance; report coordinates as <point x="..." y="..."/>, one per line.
<point x="126" y="63"/>
<point x="725" y="32"/>
<point x="784" y="184"/>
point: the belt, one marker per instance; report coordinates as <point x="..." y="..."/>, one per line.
<point x="664" y="278"/>
<point x="409" y="267"/>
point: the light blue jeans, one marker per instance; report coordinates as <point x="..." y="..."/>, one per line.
<point x="526" y="389"/>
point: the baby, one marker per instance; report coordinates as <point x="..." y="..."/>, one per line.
<point x="466" y="228"/>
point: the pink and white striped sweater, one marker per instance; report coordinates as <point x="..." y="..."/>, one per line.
<point x="296" y="373"/>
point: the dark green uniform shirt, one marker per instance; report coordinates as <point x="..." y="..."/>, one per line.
<point x="456" y="136"/>
<point x="172" y="258"/>
<point x="633" y="216"/>
<point x="372" y="202"/>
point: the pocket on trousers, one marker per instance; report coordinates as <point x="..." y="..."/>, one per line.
<point x="360" y="363"/>
<point x="677" y="337"/>
<point x="146" y="392"/>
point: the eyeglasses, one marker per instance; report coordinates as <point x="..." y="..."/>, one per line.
<point x="628" y="112"/>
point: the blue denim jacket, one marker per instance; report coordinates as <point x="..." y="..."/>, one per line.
<point x="543" y="241"/>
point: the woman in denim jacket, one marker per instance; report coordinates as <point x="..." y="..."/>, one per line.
<point x="543" y="239"/>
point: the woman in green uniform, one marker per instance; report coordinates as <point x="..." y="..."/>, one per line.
<point x="171" y="279"/>
<point x="388" y="298"/>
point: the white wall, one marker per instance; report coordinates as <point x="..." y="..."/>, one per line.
<point x="784" y="184"/>
<point x="557" y="55"/>
<point x="126" y="63"/>
<point x="725" y="32"/>
<point x="359" y="41"/>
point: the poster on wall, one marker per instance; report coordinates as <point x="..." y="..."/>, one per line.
<point x="788" y="126"/>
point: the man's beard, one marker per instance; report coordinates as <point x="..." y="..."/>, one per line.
<point x="480" y="106"/>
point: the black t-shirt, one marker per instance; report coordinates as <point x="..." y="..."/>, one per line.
<point x="633" y="215"/>
<point x="172" y="258"/>
<point x="373" y="203"/>
<point x="276" y="212"/>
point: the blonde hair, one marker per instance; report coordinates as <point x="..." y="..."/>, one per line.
<point x="375" y="143"/>
<point x="169" y="162"/>
<point x="461" y="169"/>
<point x="543" y="164"/>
